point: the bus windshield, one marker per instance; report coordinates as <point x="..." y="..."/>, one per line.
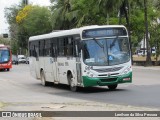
<point x="106" y="51"/>
<point x="4" y="55"/>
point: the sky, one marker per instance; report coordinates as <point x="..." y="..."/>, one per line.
<point x="7" y="3"/>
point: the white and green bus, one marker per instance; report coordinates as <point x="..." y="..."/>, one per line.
<point x="82" y="57"/>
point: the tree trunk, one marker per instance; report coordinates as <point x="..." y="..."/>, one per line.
<point x="125" y="9"/>
<point x="148" y="58"/>
<point x="107" y="18"/>
<point x="120" y="18"/>
<point x="144" y="43"/>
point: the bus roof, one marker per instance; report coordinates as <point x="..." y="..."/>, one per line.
<point x="4" y="46"/>
<point x="70" y="32"/>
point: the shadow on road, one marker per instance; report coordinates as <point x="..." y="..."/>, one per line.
<point x="81" y="89"/>
<point x="141" y="95"/>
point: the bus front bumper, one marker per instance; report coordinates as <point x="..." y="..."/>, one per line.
<point x="88" y="81"/>
<point x="5" y="66"/>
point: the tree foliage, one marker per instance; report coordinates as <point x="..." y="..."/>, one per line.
<point x="27" y="20"/>
<point x="4" y="41"/>
<point x="38" y="21"/>
<point x="22" y="14"/>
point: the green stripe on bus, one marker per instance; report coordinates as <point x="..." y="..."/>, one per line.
<point x="88" y="81"/>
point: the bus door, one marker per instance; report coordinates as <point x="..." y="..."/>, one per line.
<point x="37" y="68"/>
<point x="54" y="61"/>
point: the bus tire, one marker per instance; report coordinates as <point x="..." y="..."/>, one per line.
<point x="112" y="87"/>
<point x="73" y="88"/>
<point x="8" y="69"/>
<point x="43" y="79"/>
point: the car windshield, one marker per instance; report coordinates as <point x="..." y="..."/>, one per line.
<point x="106" y="52"/>
<point x="4" y="56"/>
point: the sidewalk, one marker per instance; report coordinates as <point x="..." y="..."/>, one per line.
<point x="86" y="106"/>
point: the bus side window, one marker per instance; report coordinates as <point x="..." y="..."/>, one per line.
<point x="53" y="47"/>
<point x="65" y="46"/>
<point x="39" y="45"/>
<point x="76" y="46"/>
<point x="47" y="48"/>
<point x="52" y="50"/>
<point x="41" y="48"/>
<point x="30" y="49"/>
<point x="44" y="48"/>
<point x="69" y="46"/>
<point x="34" y="51"/>
<point x="61" y="46"/>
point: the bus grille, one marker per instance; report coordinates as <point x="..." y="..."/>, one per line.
<point x="108" y="69"/>
<point x="109" y="80"/>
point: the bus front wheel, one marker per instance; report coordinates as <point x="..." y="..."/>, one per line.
<point x="112" y="87"/>
<point x="73" y="87"/>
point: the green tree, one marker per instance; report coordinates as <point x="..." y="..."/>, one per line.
<point x="38" y="21"/>
<point x="5" y="41"/>
<point x="35" y="22"/>
<point x="10" y="15"/>
<point x="59" y="11"/>
<point x="86" y="15"/>
<point x="78" y="13"/>
<point x="32" y="21"/>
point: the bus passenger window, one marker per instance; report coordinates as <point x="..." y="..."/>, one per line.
<point x="61" y="47"/>
<point x="69" y="47"/>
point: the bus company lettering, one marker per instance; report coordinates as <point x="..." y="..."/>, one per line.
<point x="60" y="64"/>
<point x="66" y="64"/>
<point x="27" y="114"/>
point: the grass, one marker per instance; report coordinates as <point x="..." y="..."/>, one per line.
<point x="2" y="105"/>
<point x="143" y="58"/>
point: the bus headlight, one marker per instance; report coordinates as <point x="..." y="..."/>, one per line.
<point x="126" y="70"/>
<point x="90" y="74"/>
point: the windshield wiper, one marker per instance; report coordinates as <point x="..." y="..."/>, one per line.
<point x="113" y="43"/>
<point x="101" y="45"/>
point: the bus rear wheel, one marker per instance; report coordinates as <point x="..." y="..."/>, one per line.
<point x="112" y="87"/>
<point x="8" y="69"/>
<point x="43" y="79"/>
<point x="73" y="87"/>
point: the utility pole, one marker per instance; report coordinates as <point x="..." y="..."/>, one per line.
<point x="148" y="58"/>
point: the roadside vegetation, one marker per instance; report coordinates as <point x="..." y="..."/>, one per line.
<point x="139" y="16"/>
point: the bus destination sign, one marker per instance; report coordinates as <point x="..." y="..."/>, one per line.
<point x="104" y="32"/>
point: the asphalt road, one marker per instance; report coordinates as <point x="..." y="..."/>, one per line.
<point x="17" y="86"/>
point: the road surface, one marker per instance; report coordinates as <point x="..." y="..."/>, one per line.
<point x="18" y="88"/>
